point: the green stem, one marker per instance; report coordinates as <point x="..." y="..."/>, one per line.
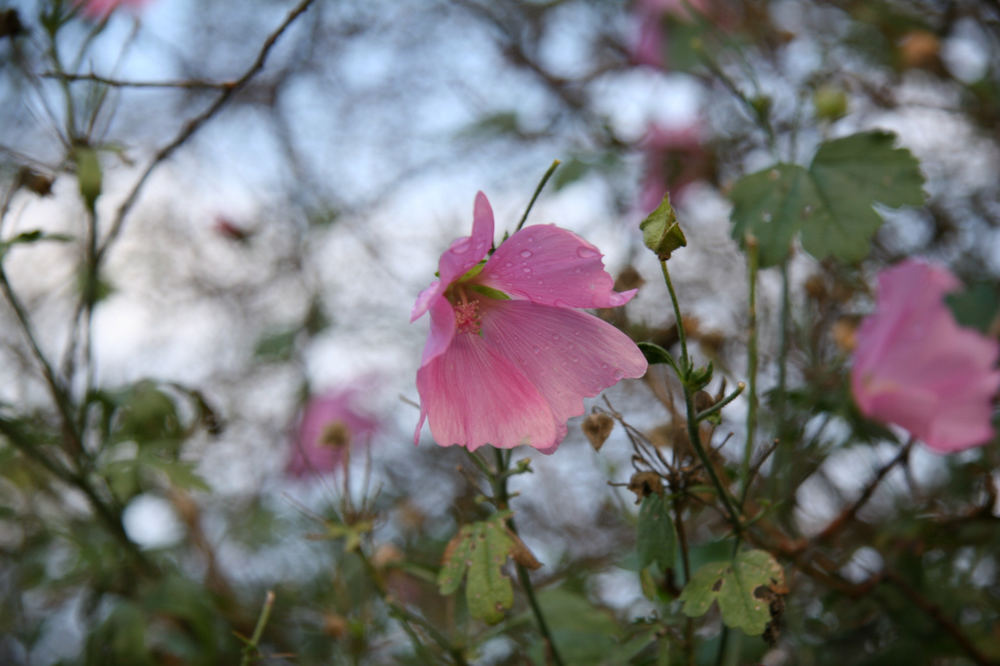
<point x="692" y="418"/>
<point x="681" y="336"/>
<point x="752" y="358"/>
<point x="502" y="498"/>
<point x="538" y="190"/>
<point x="265" y="614"/>
<point x="406" y="618"/>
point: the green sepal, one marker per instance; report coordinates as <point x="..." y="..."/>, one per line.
<point x="660" y="230"/>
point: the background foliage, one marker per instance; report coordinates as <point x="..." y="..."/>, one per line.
<point x="212" y="211"/>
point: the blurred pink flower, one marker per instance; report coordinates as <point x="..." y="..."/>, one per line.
<point x="509" y="359"/>
<point x="649" y="48"/>
<point x="98" y="9"/>
<point x="329" y="424"/>
<point x="915" y="367"/>
<point x="675" y="157"/>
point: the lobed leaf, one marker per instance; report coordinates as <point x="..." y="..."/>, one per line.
<point x="478" y="552"/>
<point x="831" y="202"/>
<point x="734" y="586"/>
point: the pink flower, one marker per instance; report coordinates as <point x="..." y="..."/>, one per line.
<point x="509" y="358"/>
<point x="649" y="48"/>
<point x="915" y="367"/>
<point x="98" y="9"/>
<point x="329" y="425"/>
<point x="674" y="158"/>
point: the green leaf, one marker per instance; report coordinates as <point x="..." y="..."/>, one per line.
<point x="478" y="552"/>
<point x="769" y="205"/>
<point x="276" y="347"/>
<point x="700" y="377"/>
<point x="734" y="586"/>
<point x="585" y="634"/>
<point x="656" y="540"/>
<point x="180" y="473"/>
<point x="660" y="231"/>
<point x="831" y="203"/>
<point x="654" y="354"/>
<point x="975" y="307"/>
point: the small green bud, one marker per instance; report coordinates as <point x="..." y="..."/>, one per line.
<point x="830" y="103"/>
<point x="660" y="231"/>
<point x="88" y="174"/>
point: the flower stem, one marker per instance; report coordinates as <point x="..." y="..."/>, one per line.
<point x="752" y="357"/>
<point x="408" y="619"/>
<point x="502" y="498"/>
<point x="685" y="359"/>
<point x="538" y="190"/>
<point x="692" y="418"/>
<point x="265" y="614"/>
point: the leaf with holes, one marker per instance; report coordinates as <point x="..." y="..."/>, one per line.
<point x="656" y="540"/>
<point x="735" y="585"/>
<point x="478" y="552"/>
<point x="831" y="202"/>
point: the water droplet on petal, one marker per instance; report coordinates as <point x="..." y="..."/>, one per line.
<point x="526" y="253"/>
<point x="585" y="252"/>
<point x="527" y="270"/>
<point x="508" y="264"/>
<point x="462" y="246"/>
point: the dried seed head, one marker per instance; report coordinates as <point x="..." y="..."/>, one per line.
<point x="597" y="427"/>
<point x="644" y="484"/>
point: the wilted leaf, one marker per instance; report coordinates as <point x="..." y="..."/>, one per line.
<point x="478" y="552"/>
<point x="733" y="585"/>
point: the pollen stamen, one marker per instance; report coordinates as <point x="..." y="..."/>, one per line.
<point x="467" y="319"/>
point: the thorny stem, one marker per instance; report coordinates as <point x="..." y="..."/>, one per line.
<point x="538" y="190"/>
<point x="502" y="498"/>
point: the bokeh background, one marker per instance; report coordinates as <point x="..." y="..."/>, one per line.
<point x="274" y="254"/>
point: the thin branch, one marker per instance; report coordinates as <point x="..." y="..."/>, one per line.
<point x="848" y="514"/>
<point x="194" y="125"/>
<point x="189" y="84"/>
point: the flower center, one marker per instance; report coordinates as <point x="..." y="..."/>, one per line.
<point x="467" y="318"/>
<point x="335" y="434"/>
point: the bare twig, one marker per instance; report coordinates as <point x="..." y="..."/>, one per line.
<point x="194" y="125"/>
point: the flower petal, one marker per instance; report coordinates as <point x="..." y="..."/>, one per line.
<point x="567" y="355"/>
<point x="548" y="265"/>
<point x="442" y="329"/>
<point x="473" y="396"/>
<point x="463" y="254"/>
<point x="466" y="252"/>
<point x="916" y="367"/>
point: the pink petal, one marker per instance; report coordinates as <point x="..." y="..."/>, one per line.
<point x="463" y="254"/>
<point x="915" y="367"/>
<point x="442" y="329"/>
<point x="566" y="354"/>
<point x="466" y="252"/>
<point x="551" y="266"/>
<point x="473" y="396"/>
<point x="309" y="455"/>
